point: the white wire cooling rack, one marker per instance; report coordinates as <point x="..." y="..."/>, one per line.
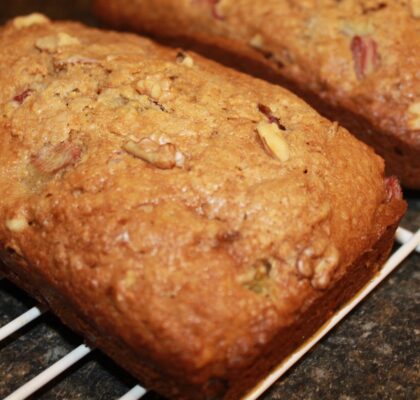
<point x="410" y="242"/>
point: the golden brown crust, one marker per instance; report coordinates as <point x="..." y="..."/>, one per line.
<point x="187" y="212"/>
<point x="285" y="341"/>
<point x="356" y="61"/>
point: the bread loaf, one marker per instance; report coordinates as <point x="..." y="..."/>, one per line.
<point x="194" y="223"/>
<point x="356" y="61"/>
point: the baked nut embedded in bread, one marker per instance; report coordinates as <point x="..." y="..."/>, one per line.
<point x="356" y="61"/>
<point x="193" y="222"/>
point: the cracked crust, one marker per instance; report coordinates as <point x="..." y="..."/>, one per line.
<point x="143" y="208"/>
<point x="342" y="57"/>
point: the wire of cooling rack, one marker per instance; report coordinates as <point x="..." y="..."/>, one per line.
<point x="403" y="236"/>
<point x="410" y="242"/>
<point x="20" y="322"/>
<point x="135" y="393"/>
<point x="50" y="373"/>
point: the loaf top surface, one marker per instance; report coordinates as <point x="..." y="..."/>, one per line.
<point x="188" y="209"/>
<point x="361" y="54"/>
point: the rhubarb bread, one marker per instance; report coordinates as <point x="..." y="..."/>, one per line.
<point x="356" y="61"/>
<point x="194" y="223"/>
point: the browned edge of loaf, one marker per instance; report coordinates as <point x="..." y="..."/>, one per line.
<point x="402" y="158"/>
<point x="19" y="271"/>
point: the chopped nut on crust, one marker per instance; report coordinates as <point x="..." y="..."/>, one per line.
<point x="47" y="43"/>
<point x="365" y="55"/>
<point x="270" y="116"/>
<point x="184" y="59"/>
<point x="163" y="156"/>
<point x="51" y="159"/>
<point x="18" y="224"/>
<point x="64" y="39"/>
<point x="22" y="96"/>
<point x="257" y="41"/>
<point x="179" y="159"/>
<point x="156" y="87"/>
<point x="52" y="43"/>
<point x="333" y="129"/>
<point x="392" y="189"/>
<point x="273" y="140"/>
<point x="324" y="269"/>
<point x="414" y="116"/>
<point x="304" y="263"/>
<point x="29" y="20"/>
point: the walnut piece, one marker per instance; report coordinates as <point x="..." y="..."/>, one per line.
<point x="304" y="262"/>
<point x="365" y="56"/>
<point x="273" y="140"/>
<point x="53" y="42"/>
<point x="184" y="59"/>
<point x="155" y="86"/>
<point x="325" y="268"/>
<point x="17" y="225"/>
<point x="257" y="41"/>
<point x="414" y="116"/>
<point x="30" y="20"/>
<point x="179" y="159"/>
<point x="163" y="156"/>
<point x="51" y="159"/>
<point x="318" y="262"/>
<point x="22" y="96"/>
<point x="270" y="116"/>
<point x="392" y="189"/>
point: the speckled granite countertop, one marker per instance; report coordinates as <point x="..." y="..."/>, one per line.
<point x="373" y="354"/>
